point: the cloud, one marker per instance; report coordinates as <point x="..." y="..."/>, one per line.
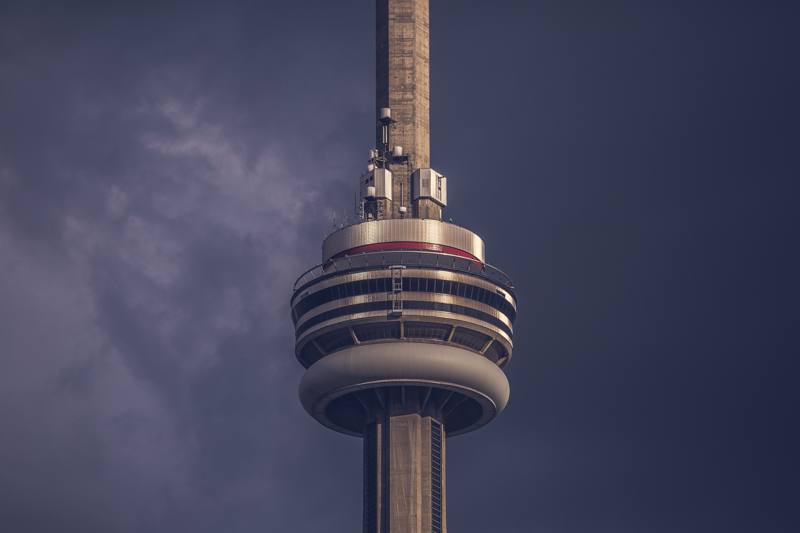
<point x="149" y="238"/>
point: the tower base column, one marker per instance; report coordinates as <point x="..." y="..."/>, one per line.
<point x="404" y="475"/>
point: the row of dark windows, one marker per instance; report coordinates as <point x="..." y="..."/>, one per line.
<point x="436" y="477"/>
<point x="374" y="331"/>
<point x="387" y="305"/>
<point x="371" y="286"/>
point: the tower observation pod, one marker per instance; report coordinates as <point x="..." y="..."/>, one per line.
<point x="404" y="329"/>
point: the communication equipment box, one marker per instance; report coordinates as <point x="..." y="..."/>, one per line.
<point x="427" y="183"/>
<point x="379" y="181"/>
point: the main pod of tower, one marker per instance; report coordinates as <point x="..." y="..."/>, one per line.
<point x="404" y="329"/>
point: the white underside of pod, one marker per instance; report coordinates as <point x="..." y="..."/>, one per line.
<point x="404" y="363"/>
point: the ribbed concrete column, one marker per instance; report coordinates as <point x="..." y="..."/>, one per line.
<point x="403" y="84"/>
<point x="404" y="475"/>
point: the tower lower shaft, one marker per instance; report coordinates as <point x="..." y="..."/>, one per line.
<point x="404" y="473"/>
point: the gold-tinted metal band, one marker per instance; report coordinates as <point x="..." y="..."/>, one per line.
<point x="403" y="230"/>
<point x="406" y="296"/>
<point x="409" y="273"/>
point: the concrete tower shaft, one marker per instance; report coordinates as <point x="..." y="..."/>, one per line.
<point x="403" y="85"/>
<point x="403" y="75"/>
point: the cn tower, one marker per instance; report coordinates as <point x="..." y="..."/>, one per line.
<point x="404" y="329"/>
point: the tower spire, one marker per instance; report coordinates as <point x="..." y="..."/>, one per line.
<point x="403" y="74"/>
<point x="402" y="83"/>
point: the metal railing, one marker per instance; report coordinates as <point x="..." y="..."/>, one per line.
<point x="375" y="260"/>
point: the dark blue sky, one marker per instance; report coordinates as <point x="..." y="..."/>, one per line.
<point x="167" y="169"/>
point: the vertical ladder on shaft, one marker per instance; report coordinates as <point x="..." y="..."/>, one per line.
<point x="397" y="290"/>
